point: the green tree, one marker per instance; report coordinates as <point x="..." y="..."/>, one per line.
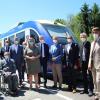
<point x="95" y="15"/>
<point x="60" y="21"/>
<point x="83" y="21"/>
<point x="74" y="23"/>
<point x="85" y="18"/>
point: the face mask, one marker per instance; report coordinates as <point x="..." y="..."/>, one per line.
<point x="83" y="39"/>
<point x="16" y="42"/>
<point x="31" y="43"/>
<point x="24" y="46"/>
<point x="7" y="57"/>
<point x="42" y="41"/>
<point x="95" y="36"/>
<point x="55" y="41"/>
<point x="7" y="44"/>
<point x="69" y="40"/>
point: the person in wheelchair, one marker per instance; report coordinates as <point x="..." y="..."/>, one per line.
<point x="9" y="72"/>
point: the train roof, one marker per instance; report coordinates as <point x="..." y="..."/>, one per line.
<point x="24" y="25"/>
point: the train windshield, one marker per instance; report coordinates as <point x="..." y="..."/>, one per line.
<point x="56" y="30"/>
<point x="60" y="31"/>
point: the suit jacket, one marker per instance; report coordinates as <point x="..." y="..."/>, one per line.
<point x="8" y="66"/>
<point x="95" y="54"/>
<point x="18" y="57"/>
<point x="5" y="49"/>
<point x="57" y="53"/>
<point x="46" y="50"/>
<point x="73" y="54"/>
<point x="86" y="46"/>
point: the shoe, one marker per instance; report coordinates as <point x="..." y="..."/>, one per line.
<point x="15" y="92"/>
<point x="90" y="93"/>
<point x="10" y="92"/>
<point x="54" y="86"/>
<point x="60" y="88"/>
<point x="74" y="91"/>
<point x="69" y="89"/>
<point x="20" y="83"/>
<point x="45" y="86"/>
<point x="84" y="92"/>
<point x="37" y="86"/>
<point x="96" y="98"/>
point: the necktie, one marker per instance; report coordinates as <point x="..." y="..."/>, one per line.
<point x="42" y="50"/>
<point x="7" y="60"/>
<point x="7" y="49"/>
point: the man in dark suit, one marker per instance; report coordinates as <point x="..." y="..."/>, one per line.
<point x="44" y="55"/>
<point x="16" y="53"/>
<point x="5" y="48"/>
<point x="84" y="57"/>
<point x="72" y="54"/>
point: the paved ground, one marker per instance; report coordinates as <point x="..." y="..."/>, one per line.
<point x="46" y="94"/>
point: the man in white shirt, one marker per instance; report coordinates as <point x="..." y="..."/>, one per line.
<point x="84" y="58"/>
<point x="44" y="55"/>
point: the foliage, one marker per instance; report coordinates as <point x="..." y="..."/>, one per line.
<point x="95" y="15"/>
<point x="60" y="21"/>
<point x="83" y="21"/>
<point x="85" y="17"/>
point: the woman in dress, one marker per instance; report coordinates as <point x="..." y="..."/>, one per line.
<point x="32" y="62"/>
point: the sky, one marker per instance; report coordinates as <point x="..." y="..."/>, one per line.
<point x="14" y="11"/>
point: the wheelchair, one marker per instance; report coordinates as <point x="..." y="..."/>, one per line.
<point x="3" y="84"/>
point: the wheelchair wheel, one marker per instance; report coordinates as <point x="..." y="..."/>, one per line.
<point x="3" y="84"/>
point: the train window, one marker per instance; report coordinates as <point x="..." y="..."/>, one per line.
<point x="34" y="35"/>
<point x="21" y="37"/>
<point x="11" y="39"/>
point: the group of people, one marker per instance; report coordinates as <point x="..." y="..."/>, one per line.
<point x="34" y="57"/>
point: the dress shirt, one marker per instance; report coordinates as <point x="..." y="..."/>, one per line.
<point x="42" y="50"/>
<point x="16" y="48"/>
<point x="69" y="47"/>
<point x="83" y="53"/>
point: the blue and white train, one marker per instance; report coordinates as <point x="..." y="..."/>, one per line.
<point x="35" y="29"/>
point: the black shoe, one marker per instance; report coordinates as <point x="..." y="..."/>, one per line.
<point x="15" y="92"/>
<point x="90" y="93"/>
<point x="60" y="88"/>
<point x="54" y="86"/>
<point x="20" y="83"/>
<point x="69" y="89"/>
<point x="84" y="92"/>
